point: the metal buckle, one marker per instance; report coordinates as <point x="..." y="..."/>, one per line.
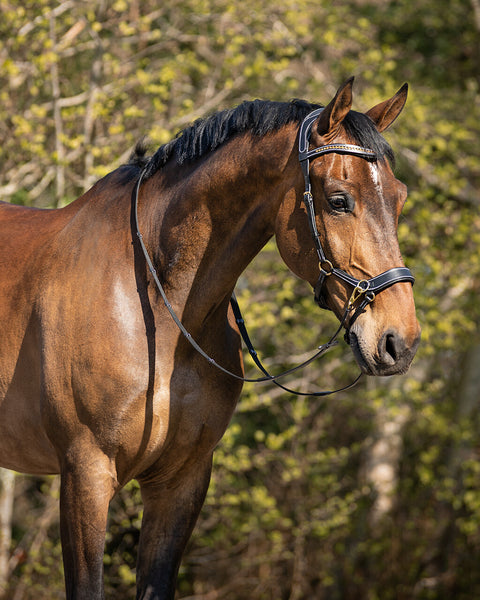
<point x="359" y="290"/>
<point x="307" y="197"/>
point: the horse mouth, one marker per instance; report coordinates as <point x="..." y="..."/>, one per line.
<point x="392" y="356"/>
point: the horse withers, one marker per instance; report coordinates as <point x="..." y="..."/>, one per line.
<point x="98" y="383"/>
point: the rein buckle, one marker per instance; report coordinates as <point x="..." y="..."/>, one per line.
<point x="359" y="290"/>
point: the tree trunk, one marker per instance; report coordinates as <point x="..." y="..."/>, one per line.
<point x="7" y="487"/>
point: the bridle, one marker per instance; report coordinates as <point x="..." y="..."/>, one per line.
<point x="364" y="290"/>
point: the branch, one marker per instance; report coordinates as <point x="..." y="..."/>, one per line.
<point x="96" y="72"/>
<point x="7" y="487"/>
<point x="427" y="174"/>
<point x="476" y="13"/>
<point x="57" y="11"/>
<point x="57" y="117"/>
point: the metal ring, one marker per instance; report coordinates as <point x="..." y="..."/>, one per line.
<point x="363" y="282"/>
<point x="327" y="263"/>
<point x="360" y="289"/>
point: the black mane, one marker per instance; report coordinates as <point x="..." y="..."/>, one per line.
<point x="259" y="117"/>
<point x="363" y="131"/>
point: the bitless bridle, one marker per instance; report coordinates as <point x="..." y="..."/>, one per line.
<point x="364" y="290"/>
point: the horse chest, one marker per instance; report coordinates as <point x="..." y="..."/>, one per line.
<point x="189" y="418"/>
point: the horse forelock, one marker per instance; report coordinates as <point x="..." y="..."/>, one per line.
<point x="259" y="117"/>
<point x="363" y="132"/>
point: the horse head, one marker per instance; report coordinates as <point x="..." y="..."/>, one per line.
<point x="356" y="203"/>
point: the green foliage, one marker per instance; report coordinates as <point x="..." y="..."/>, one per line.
<point x="293" y="509"/>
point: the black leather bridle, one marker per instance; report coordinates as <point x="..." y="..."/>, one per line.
<point x="364" y="290"/>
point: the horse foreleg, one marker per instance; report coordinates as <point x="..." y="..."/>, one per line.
<point x="170" y="512"/>
<point x="87" y="487"/>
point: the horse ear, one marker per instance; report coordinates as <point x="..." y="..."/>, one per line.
<point x="385" y="113"/>
<point x="333" y="114"/>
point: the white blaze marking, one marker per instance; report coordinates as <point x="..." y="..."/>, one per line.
<point x="375" y="178"/>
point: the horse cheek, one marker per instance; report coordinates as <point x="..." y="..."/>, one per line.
<point x="295" y="245"/>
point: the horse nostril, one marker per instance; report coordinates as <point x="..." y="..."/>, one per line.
<point x="390" y="347"/>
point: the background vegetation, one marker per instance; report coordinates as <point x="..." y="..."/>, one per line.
<point x="370" y="494"/>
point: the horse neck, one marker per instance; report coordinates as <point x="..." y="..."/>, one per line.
<point x="208" y="220"/>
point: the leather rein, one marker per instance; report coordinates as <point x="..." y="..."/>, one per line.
<point x="364" y="290"/>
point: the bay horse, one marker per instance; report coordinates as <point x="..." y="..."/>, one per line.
<point x="98" y="383"/>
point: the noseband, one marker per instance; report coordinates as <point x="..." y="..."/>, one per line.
<point x="364" y="290"/>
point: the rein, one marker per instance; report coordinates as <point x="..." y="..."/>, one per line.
<point x="240" y="322"/>
<point x="364" y="290"/>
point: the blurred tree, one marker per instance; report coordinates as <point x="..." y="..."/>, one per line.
<point x="7" y="492"/>
<point x="374" y="493"/>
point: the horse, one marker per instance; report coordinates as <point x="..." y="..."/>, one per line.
<point x="97" y="380"/>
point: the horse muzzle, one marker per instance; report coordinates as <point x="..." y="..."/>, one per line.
<point x="392" y="353"/>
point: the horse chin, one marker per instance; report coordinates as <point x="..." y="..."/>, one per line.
<point x="388" y="357"/>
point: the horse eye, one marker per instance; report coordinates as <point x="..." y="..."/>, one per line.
<point x="339" y="203"/>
